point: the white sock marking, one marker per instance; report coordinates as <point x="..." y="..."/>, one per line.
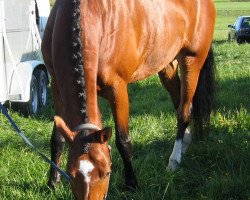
<point x="187" y="139"/>
<point x="176" y="154"/>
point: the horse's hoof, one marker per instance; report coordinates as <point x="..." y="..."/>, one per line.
<point x="128" y="188"/>
<point x="131" y="185"/>
<point x="52" y="184"/>
<point x="173" y="165"/>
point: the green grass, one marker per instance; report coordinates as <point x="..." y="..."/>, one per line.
<point x="216" y="168"/>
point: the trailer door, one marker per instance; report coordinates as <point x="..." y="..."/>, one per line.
<point x="43" y="8"/>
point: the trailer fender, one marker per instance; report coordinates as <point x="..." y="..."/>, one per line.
<point x="24" y="71"/>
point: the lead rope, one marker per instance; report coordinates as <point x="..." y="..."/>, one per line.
<point x="63" y="174"/>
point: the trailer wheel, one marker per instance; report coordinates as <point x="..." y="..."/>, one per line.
<point x="42" y="87"/>
<point x="32" y="106"/>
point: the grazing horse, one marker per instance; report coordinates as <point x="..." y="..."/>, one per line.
<point x="94" y="47"/>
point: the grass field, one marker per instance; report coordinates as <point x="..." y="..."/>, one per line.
<point x="216" y="168"/>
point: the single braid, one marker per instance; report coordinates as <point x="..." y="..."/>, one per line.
<point x="77" y="56"/>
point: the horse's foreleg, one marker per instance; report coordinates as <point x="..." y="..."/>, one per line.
<point x="57" y="141"/>
<point x="57" y="145"/>
<point x="189" y="79"/>
<point x="120" y="107"/>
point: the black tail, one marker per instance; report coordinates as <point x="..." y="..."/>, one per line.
<point x="204" y="96"/>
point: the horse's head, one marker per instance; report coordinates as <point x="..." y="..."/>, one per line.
<point x="89" y="160"/>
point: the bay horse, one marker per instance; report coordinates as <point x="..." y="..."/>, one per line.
<point x="94" y="47"/>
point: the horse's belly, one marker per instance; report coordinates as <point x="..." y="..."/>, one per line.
<point x="145" y="70"/>
<point x="155" y="62"/>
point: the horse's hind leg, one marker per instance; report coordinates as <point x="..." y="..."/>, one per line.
<point x="170" y="80"/>
<point x="118" y="98"/>
<point x="189" y="70"/>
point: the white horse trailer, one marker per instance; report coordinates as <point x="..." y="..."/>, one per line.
<point x="23" y="76"/>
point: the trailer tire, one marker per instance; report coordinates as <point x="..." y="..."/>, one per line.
<point x="42" y="81"/>
<point x="32" y="106"/>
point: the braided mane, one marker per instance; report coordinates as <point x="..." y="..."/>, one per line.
<point x="77" y="56"/>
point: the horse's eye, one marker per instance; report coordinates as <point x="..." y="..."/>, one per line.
<point x="107" y="174"/>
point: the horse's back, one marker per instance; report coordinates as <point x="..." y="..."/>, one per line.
<point x="135" y="39"/>
<point x="139" y="38"/>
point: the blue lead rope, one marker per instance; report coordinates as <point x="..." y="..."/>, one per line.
<point x="63" y="174"/>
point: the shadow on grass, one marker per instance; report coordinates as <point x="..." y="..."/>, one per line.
<point x="215" y="168"/>
<point x="233" y="93"/>
<point x="220" y="42"/>
<point x="46" y="112"/>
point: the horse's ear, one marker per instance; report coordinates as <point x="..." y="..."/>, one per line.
<point x="64" y="130"/>
<point x="105" y="134"/>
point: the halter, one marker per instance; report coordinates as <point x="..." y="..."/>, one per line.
<point x="83" y="127"/>
<point x="87" y="126"/>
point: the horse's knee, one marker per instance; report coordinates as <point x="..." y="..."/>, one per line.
<point x="57" y="142"/>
